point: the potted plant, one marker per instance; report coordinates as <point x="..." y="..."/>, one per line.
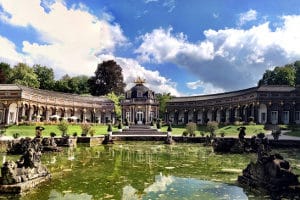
<point x="158" y="125"/>
<point x="120" y="126"/>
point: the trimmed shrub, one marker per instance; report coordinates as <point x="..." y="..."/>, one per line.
<point x="85" y="128"/>
<point x="185" y="133"/>
<point x="191" y="127"/>
<point x="92" y="132"/>
<point x="109" y="128"/>
<point x="52" y="134"/>
<point x="211" y="127"/>
<point x="63" y="127"/>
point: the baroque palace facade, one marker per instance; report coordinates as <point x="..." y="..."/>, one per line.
<point x="140" y="104"/>
<point x="262" y="105"/>
<point x="19" y="103"/>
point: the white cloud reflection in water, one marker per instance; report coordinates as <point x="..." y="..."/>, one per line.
<point x="171" y="187"/>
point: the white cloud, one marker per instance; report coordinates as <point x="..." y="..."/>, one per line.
<point x="228" y="59"/>
<point x="8" y="52"/>
<point x="207" y="88"/>
<point x="250" y="15"/>
<point x="132" y="69"/>
<point x="71" y="36"/>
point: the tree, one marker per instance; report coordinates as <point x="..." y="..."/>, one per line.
<point x="45" y="77"/>
<point x="116" y="99"/>
<point x="62" y="85"/>
<point x="163" y="98"/>
<point x="285" y="75"/>
<point x="4" y="72"/>
<point x="297" y="67"/>
<point x="79" y="84"/>
<point x="63" y="127"/>
<point x="108" y="78"/>
<point x="24" y="75"/>
<point x="191" y="128"/>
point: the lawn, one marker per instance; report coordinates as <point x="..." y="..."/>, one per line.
<point x="29" y="130"/>
<point x="230" y="130"/>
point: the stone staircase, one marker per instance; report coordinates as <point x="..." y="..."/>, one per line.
<point x="139" y="130"/>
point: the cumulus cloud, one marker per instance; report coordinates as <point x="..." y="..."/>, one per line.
<point x="228" y="59"/>
<point x="132" y="69"/>
<point x="8" y="52"/>
<point x="69" y="37"/>
<point x="207" y="88"/>
<point x="250" y="15"/>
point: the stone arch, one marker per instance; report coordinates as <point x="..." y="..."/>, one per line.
<point x="227" y="115"/>
<point x="218" y="115"/>
<point x="200" y="117"/>
<point x="262" y="113"/>
<point x="12" y="113"/>
<point x="2" y="113"/>
<point x="209" y="115"/>
<point x="180" y="116"/>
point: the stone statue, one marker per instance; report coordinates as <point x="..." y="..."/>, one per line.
<point x="28" y="167"/>
<point x="270" y="172"/>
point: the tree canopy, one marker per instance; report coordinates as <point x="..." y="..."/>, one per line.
<point x="108" y="78"/>
<point x="45" y="76"/>
<point x="24" y="75"/>
<point x="4" y="72"/>
<point x="285" y="75"/>
<point x="163" y="98"/>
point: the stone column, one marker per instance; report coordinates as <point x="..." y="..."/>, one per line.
<point x="30" y="113"/>
<point x="47" y="114"/>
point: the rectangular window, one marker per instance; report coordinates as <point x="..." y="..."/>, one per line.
<point x="286" y="117"/>
<point x="297" y="116"/>
<point x="274" y="117"/>
<point x="263" y="117"/>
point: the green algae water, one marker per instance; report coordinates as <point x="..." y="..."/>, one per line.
<point x="144" y="170"/>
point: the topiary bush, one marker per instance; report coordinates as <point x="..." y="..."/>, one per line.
<point x="191" y="128"/>
<point x="85" y="128"/>
<point x="63" y="127"/>
<point x="211" y="127"/>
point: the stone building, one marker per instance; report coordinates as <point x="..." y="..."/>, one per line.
<point x="263" y="105"/>
<point x="19" y="103"/>
<point x="140" y="104"/>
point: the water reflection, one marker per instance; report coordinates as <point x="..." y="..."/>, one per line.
<point x="67" y="195"/>
<point x="171" y="187"/>
<point x="145" y="171"/>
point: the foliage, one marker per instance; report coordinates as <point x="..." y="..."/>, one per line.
<point x="85" y="128"/>
<point x="92" y="132"/>
<point x="191" y="127"/>
<point x="222" y="133"/>
<point x="108" y="78"/>
<point x="169" y="128"/>
<point x="185" y="133"/>
<point x="163" y="98"/>
<point x="158" y="124"/>
<point x="286" y="75"/>
<point x="4" y="72"/>
<point x="120" y="126"/>
<point x="63" y="127"/>
<point x="24" y="75"/>
<point x="109" y="128"/>
<point x="52" y="134"/>
<point x="45" y="76"/>
<point x="211" y="127"/>
<point x="116" y="99"/>
<point x="16" y="135"/>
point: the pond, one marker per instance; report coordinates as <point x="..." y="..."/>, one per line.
<point x="146" y="170"/>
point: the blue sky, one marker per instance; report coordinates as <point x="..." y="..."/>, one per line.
<point x="184" y="47"/>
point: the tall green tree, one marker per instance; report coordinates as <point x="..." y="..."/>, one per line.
<point x="163" y="98"/>
<point x="285" y="75"/>
<point x="79" y="84"/>
<point x="108" y="78"/>
<point x="24" y="75"/>
<point x="62" y="85"/>
<point x="116" y="99"/>
<point x="4" y="72"/>
<point x="45" y="76"/>
<point x="297" y="68"/>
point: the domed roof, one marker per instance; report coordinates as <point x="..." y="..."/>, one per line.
<point x="139" y="88"/>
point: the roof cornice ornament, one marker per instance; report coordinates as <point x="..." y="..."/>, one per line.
<point x="139" y="80"/>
